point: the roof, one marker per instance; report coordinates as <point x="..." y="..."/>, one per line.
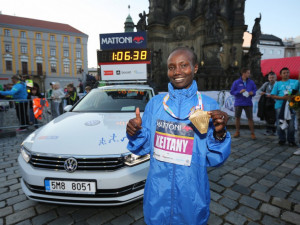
<point x="270" y="37"/>
<point x="275" y="65"/>
<point x="27" y="22"/>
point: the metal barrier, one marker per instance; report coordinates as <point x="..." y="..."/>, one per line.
<point x="16" y="114"/>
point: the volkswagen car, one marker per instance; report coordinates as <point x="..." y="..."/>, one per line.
<point x="81" y="157"/>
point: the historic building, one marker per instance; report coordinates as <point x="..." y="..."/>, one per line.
<point x="46" y="51"/>
<point x="212" y="28"/>
<point x="271" y="47"/>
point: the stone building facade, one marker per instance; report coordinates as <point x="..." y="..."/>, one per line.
<point x="212" y="28"/>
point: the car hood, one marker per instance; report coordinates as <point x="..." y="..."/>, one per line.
<point x="82" y="134"/>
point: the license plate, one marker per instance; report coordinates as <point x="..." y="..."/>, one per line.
<point x="69" y="186"/>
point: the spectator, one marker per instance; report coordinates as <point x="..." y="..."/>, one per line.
<point x="19" y="94"/>
<point x="266" y="104"/>
<point x="243" y="89"/>
<point x="48" y="96"/>
<point x="87" y="89"/>
<point x="177" y="191"/>
<point x="56" y="97"/>
<point x="34" y="93"/>
<point x="71" y="95"/>
<point x="281" y="92"/>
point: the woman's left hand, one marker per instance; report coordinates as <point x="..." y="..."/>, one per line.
<point x="219" y="119"/>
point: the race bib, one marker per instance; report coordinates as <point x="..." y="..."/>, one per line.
<point x="173" y="142"/>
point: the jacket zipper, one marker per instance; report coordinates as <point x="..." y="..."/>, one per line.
<point x="172" y="194"/>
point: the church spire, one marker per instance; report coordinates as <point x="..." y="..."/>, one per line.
<point x="128" y="25"/>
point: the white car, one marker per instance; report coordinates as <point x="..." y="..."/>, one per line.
<point x="81" y="156"/>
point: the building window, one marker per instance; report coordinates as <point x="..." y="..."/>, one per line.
<point x="78" y="54"/>
<point x="39" y="51"/>
<point x="66" y="39"/>
<point x="262" y="50"/>
<point x="8" y="65"/>
<point x="38" y="36"/>
<point x="298" y="53"/>
<point x="23" y="34"/>
<point x="271" y="52"/>
<point x="24" y="49"/>
<point x="66" y="53"/>
<point x="289" y="54"/>
<point x="52" y="52"/>
<point x="8" y="48"/>
<point x="279" y="52"/>
<point x="53" y="67"/>
<point x="78" y="41"/>
<point x="78" y="69"/>
<point x="52" y="38"/>
<point x="6" y="32"/>
<point x="66" y="68"/>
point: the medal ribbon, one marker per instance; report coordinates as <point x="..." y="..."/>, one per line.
<point x="168" y="110"/>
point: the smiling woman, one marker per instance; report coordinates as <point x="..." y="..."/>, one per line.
<point x="181" y="69"/>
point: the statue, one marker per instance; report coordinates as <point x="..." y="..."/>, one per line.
<point x="256" y="32"/>
<point x="141" y="25"/>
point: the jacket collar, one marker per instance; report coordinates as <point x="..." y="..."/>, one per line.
<point x="182" y="93"/>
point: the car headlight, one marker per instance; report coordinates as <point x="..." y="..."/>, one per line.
<point x="25" y="154"/>
<point x="132" y="159"/>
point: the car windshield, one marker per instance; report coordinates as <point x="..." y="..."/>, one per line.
<point x="114" y="100"/>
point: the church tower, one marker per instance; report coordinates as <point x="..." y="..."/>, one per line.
<point x="128" y="25"/>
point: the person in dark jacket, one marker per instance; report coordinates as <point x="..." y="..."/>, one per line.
<point x="19" y="94"/>
<point x="266" y="104"/>
<point x="71" y="95"/>
<point x="243" y="89"/>
<point x="177" y="186"/>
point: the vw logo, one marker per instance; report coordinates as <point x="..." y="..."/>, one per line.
<point x="70" y="165"/>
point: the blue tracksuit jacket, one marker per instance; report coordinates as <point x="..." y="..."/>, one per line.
<point x="18" y="91"/>
<point x="240" y="99"/>
<point x="176" y="194"/>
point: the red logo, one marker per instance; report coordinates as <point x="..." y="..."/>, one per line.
<point x="187" y="128"/>
<point x="138" y="39"/>
<point x="108" y="72"/>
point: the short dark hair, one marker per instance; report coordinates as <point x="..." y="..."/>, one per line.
<point x="194" y="56"/>
<point x="244" y="70"/>
<point x="271" y="73"/>
<point x="284" y="68"/>
<point x="15" y="77"/>
<point x="70" y="85"/>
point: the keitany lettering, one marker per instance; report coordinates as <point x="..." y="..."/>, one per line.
<point x="171" y="144"/>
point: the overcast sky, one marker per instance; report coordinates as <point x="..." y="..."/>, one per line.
<point x="92" y="17"/>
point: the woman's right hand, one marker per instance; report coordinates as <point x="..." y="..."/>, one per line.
<point x="134" y="125"/>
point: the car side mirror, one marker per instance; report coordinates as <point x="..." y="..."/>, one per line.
<point x="67" y="108"/>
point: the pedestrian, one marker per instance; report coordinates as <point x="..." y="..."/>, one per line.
<point x="266" y="104"/>
<point x="281" y="92"/>
<point x="48" y="96"/>
<point x="56" y="97"/>
<point x="243" y="89"/>
<point x="33" y="94"/>
<point x="71" y="95"/>
<point x="19" y="94"/>
<point x="177" y="186"/>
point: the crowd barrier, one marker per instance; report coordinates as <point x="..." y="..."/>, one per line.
<point x="226" y="103"/>
<point x="18" y="113"/>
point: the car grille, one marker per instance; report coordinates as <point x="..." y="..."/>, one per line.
<point x="100" y="193"/>
<point x="92" y="163"/>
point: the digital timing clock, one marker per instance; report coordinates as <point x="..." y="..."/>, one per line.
<point x="123" y="56"/>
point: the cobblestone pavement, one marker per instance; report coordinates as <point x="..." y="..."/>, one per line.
<point x="258" y="184"/>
